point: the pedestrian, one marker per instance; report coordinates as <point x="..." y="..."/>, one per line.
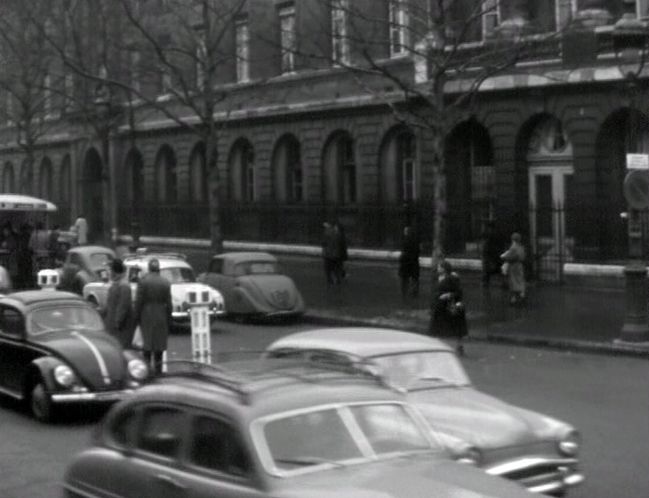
<point x="513" y="269"/>
<point x="54" y="247"/>
<point x="341" y="252"/>
<point x="409" y="263"/>
<point x="8" y="250"/>
<point x="39" y="247"/>
<point x="491" y="249"/>
<point x="153" y="314"/>
<point x="119" y="315"/>
<point x="80" y="228"/>
<point x="448" y="313"/>
<point x="330" y="251"/>
<point x="25" y="275"/>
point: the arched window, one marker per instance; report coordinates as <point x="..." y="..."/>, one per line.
<point x="340" y="169"/>
<point x="26" y="177"/>
<point x="8" y="178"/>
<point x="198" y="178"/>
<point x="45" y="179"/>
<point x="399" y="166"/>
<point x="288" y="173"/>
<point x="166" y="176"/>
<point x="66" y="180"/>
<point x="242" y="172"/>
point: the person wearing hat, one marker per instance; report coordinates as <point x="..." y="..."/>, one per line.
<point x="448" y="314"/>
<point x="153" y="314"/>
<point x="120" y="318"/>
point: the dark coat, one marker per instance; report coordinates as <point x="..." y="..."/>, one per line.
<point x="409" y="257"/>
<point x="120" y="317"/>
<point x="153" y="311"/>
<point x="443" y="323"/>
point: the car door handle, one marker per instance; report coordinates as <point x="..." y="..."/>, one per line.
<point x="170" y="481"/>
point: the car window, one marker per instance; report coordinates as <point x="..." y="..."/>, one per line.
<point x="98" y="259"/>
<point x="80" y="318"/>
<point x="255" y="268"/>
<point x="216" y="445"/>
<point x="161" y="431"/>
<point x="124" y="428"/>
<point x="309" y="439"/>
<point x="177" y="274"/>
<point x="216" y="266"/>
<point x="422" y="368"/>
<point x="75" y="259"/>
<point x="11" y="322"/>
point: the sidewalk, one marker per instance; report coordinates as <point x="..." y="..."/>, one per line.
<point x="578" y="318"/>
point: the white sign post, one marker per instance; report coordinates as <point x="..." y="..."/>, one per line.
<point x="637" y="161"/>
<point x="48" y="279"/>
<point x="200" y="323"/>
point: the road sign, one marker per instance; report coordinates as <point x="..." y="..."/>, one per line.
<point x="636" y="188"/>
<point x="637" y="161"/>
<point x="200" y="324"/>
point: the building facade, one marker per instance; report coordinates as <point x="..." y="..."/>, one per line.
<point x="299" y="142"/>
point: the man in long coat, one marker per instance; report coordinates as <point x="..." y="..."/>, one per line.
<point x="120" y="318"/>
<point x="153" y="314"/>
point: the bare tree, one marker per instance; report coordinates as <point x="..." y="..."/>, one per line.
<point x="426" y="60"/>
<point x="160" y="57"/>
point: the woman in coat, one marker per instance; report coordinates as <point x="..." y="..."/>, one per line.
<point x="153" y="314"/>
<point x="448" y="316"/>
<point x="514" y="270"/>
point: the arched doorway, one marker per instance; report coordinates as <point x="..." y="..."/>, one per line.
<point x="288" y="176"/>
<point x="45" y="184"/>
<point x="92" y="194"/>
<point x="470" y="185"/>
<point x="339" y="169"/>
<point x="625" y="131"/>
<point x="132" y="193"/>
<point x="198" y="177"/>
<point x="550" y="174"/>
<point x="398" y="166"/>
<point x="8" y="178"/>
<point x="26" y="177"/>
<point x="241" y="166"/>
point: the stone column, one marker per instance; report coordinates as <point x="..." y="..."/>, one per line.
<point x="592" y="13"/>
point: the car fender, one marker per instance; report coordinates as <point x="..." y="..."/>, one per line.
<point x="41" y="368"/>
<point x="245" y="302"/>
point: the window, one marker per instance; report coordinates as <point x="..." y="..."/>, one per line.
<point x="11" y="322"/>
<point x="406" y="161"/>
<point x="347" y="171"/>
<point x="216" y="265"/>
<point x="296" y="183"/>
<point x="248" y="168"/>
<point x="339" y="37"/>
<point x="134" y="70"/>
<point x="399" y="25"/>
<point x="68" y="90"/>
<point x="490" y="17"/>
<point x="47" y="95"/>
<point x="124" y="429"/>
<point x="287" y="38"/>
<point x="215" y="445"/>
<point x="161" y="431"/>
<point x="45" y="182"/>
<point x="242" y="40"/>
<point x="201" y="61"/>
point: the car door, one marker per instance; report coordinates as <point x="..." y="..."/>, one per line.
<point x="16" y="351"/>
<point x="220" y="463"/>
<point x="217" y="278"/>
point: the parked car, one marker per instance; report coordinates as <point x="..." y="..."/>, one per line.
<point x="251" y="284"/>
<point x="539" y="452"/>
<point x="286" y="430"/>
<point x="173" y="267"/>
<point x="54" y="351"/>
<point x="85" y="264"/>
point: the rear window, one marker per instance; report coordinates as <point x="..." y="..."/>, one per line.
<point x="98" y="259"/>
<point x="177" y="275"/>
<point x="255" y="268"/>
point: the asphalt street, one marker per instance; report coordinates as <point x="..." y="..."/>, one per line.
<point x="604" y="396"/>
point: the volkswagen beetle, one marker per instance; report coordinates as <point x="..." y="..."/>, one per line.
<point x="54" y="351"/>
<point x="252" y="284"/>
<point x="538" y="451"/>
<point x="84" y="264"/>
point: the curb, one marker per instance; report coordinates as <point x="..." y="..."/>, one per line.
<point x="607" y="348"/>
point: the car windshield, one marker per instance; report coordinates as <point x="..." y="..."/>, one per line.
<point x="178" y="274"/>
<point x="342" y="434"/>
<point x="422" y="369"/>
<point x="255" y="268"/>
<point x="81" y="318"/>
<point x="100" y="259"/>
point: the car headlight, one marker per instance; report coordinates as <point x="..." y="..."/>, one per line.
<point x="471" y="456"/>
<point x="569" y="445"/>
<point x="137" y="369"/>
<point x="64" y="376"/>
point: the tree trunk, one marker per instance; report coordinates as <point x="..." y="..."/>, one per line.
<point x="216" y="236"/>
<point x="439" y="199"/>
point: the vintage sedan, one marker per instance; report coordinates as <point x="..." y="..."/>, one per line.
<point x="539" y="452"/>
<point x="282" y="431"/>
<point x="85" y="264"/>
<point x="176" y="270"/>
<point x="251" y="284"/>
<point x="54" y="351"/>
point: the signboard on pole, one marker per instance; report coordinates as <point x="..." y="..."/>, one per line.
<point x="637" y="161"/>
<point x="200" y="325"/>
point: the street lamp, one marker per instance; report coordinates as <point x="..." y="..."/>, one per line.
<point x="105" y="112"/>
<point x="630" y="38"/>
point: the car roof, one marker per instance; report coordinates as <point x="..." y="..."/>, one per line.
<point x="29" y="298"/>
<point x="245" y="256"/>
<point x="91" y="250"/>
<point x="269" y="387"/>
<point x="165" y="261"/>
<point x="360" y="341"/>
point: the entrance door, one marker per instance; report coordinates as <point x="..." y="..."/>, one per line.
<point x="551" y="234"/>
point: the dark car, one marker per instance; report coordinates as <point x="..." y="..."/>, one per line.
<point x="279" y="431"/>
<point x="84" y="264"/>
<point x="54" y="351"/>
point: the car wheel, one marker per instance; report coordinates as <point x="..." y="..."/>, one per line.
<point x="40" y="403"/>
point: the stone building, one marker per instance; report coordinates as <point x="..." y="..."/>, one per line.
<point x="543" y="151"/>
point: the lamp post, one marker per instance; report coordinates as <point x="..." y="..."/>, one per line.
<point x="630" y="38"/>
<point x="105" y="112"/>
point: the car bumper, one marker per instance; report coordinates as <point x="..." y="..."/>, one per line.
<point x="540" y="474"/>
<point x="96" y="397"/>
<point x="183" y="316"/>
